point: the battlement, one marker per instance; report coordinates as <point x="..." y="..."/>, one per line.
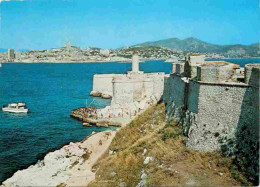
<point x="215" y="72"/>
<point x="217" y="112"/>
<point x="252" y="72"/>
<point x="195" y="68"/>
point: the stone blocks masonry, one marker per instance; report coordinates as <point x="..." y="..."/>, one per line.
<point x="216" y="112"/>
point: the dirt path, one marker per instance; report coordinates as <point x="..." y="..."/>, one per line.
<point x="97" y="145"/>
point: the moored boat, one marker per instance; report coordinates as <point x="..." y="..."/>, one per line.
<point x="15" y="108"/>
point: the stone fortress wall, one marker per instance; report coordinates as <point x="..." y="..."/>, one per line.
<point x="252" y="72"/>
<point x="131" y="93"/>
<point x="131" y="88"/>
<point x="102" y="84"/>
<point x="217" y="112"/>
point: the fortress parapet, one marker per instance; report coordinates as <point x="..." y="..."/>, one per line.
<point x="252" y="72"/>
<point x="191" y="64"/>
<point x="217" y="71"/>
<point x="178" y="67"/>
<point x="216" y="109"/>
<point x="188" y="66"/>
<point x="196" y="60"/>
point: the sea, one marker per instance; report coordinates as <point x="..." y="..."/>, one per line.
<point x="51" y="91"/>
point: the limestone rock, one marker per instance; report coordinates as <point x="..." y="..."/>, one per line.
<point x="102" y="124"/>
<point x="112" y="174"/>
<point x="87" y="124"/>
<point x="111" y="152"/>
<point x="95" y="94"/>
<point x="142" y="182"/>
<point x="56" y="168"/>
<point x="148" y="159"/>
<point x="145" y="150"/>
<point x="106" y="96"/>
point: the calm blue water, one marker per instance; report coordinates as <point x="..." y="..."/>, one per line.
<point x="51" y="91"/>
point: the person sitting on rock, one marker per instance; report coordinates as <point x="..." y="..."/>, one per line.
<point x="42" y="163"/>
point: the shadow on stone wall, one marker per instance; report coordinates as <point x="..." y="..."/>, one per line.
<point x="247" y="135"/>
<point x="245" y="146"/>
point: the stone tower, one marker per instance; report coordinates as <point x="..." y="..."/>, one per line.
<point x="11" y="54"/>
<point x="68" y="45"/>
<point x="135" y="62"/>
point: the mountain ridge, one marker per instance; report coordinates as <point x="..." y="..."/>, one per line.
<point x="195" y="45"/>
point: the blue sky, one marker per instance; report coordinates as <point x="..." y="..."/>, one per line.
<point x="44" y="24"/>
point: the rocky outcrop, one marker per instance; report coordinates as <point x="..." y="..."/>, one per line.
<point x="69" y="166"/>
<point x="95" y="94"/>
<point x="84" y="113"/>
<point x="53" y="170"/>
<point x="99" y="94"/>
<point x="106" y="96"/>
<point x="88" y="115"/>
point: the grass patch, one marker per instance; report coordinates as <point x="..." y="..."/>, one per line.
<point x="86" y="156"/>
<point x="173" y="164"/>
<point x="139" y="127"/>
<point x="171" y="130"/>
<point x="61" y="185"/>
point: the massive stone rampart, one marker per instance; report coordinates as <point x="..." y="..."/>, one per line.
<point x="217" y="108"/>
<point x="252" y="72"/>
<point x="102" y="83"/>
<point x="218" y="116"/>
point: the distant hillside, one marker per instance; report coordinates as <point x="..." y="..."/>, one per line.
<point x="195" y="45"/>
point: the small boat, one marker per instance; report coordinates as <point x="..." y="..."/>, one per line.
<point x="15" y="108"/>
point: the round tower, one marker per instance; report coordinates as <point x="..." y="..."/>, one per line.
<point x="135" y="62"/>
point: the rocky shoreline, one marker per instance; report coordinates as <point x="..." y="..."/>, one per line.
<point x="69" y="166"/>
<point x="88" y="115"/>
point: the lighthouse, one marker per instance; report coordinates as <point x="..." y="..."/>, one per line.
<point x="135" y="62"/>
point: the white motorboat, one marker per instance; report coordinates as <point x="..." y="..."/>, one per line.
<point x="15" y="108"/>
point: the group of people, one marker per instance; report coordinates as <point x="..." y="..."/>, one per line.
<point x="86" y="112"/>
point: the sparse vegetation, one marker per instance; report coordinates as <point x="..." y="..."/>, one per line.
<point x="148" y="52"/>
<point x="172" y="164"/>
<point x="74" y="164"/>
<point x="61" y="185"/>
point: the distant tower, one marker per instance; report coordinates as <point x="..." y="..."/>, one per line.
<point x="11" y="54"/>
<point x="135" y="62"/>
<point x="67" y="45"/>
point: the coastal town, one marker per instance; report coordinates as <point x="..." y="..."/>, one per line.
<point x="72" y="54"/>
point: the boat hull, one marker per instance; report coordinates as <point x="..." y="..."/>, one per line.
<point x="13" y="110"/>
